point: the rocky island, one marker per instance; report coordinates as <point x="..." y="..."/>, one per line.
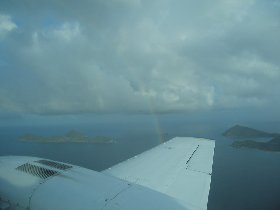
<point x="272" y="145"/>
<point x="246" y="132"/>
<point x="239" y="131"/>
<point x="72" y="136"/>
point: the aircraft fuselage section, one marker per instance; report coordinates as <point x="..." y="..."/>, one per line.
<point x="34" y="183"/>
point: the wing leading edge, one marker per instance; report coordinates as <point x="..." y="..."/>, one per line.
<point x="180" y="168"/>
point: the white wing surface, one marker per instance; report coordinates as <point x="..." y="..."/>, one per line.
<point x="180" y="168"/>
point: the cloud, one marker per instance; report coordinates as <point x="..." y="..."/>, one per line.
<point x="138" y="56"/>
<point x="6" y="25"/>
<point x="66" y="32"/>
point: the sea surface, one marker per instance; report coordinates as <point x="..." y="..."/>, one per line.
<point x="241" y="179"/>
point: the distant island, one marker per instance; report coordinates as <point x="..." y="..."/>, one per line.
<point x="272" y="145"/>
<point x="71" y="136"/>
<point x="246" y="132"/>
<point x="239" y="131"/>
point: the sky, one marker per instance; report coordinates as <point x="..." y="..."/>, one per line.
<point x="139" y="56"/>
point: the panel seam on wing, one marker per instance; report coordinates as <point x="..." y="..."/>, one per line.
<point x="108" y="200"/>
<point x="187" y="163"/>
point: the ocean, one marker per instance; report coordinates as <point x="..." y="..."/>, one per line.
<point x="241" y="178"/>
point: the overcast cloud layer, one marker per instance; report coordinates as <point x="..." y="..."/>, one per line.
<point x="138" y="55"/>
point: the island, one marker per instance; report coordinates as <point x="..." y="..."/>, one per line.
<point x="239" y="131"/>
<point x="72" y="136"/>
<point x="272" y="145"/>
<point x="246" y="132"/>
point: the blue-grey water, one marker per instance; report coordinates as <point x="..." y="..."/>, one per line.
<point x="241" y="178"/>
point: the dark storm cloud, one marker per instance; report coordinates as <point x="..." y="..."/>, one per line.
<point x="133" y="55"/>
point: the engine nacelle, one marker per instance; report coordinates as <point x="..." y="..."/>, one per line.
<point x="41" y="184"/>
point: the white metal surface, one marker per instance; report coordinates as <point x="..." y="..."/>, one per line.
<point x="175" y="175"/>
<point x="16" y="186"/>
<point x="75" y="188"/>
<point x="180" y="168"/>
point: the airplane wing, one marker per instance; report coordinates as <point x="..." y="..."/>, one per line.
<point x="173" y="175"/>
<point x="180" y="168"/>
